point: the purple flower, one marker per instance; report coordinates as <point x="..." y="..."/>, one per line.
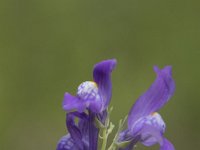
<point x="145" y="125"/>
<point x="82" y="135"/>
<point x="78" y="137"/>
<point x="93" y="95"/>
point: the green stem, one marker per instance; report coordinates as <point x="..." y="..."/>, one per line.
<point x="104" y="142"/>
<point x="112" y="147"/>
<point x="121" y="124"/>
<point x="106" y="129"/>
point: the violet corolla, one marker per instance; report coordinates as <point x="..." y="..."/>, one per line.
<point x="93" y="95"/>
<point x="145" y="125"/>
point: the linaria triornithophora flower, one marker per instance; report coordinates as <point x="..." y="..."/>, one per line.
<point x="93" y="95"/>
<point x="145" y="125"/>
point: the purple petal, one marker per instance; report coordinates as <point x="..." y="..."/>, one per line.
<point x="167" y="145"/>
<point x="145" y="133"/>
<point x="93" y="132"/>
<point x="95" y="106"/>
<point x="83" y="126"/>
<point x="84" y="133"/>
<point x="155" y="137"/>
<point x="73" y="103"/>
<point x="155" y="97"/>
<point x="150" y="135"/>
<point x="74" y="129"/>
<point x="126" y="136"/>
<point x="66" y="143"/>
<point x="102" y="76"/>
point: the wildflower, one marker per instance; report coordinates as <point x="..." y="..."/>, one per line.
<point x="145" y="125"/>
<point x="93" y="95"/>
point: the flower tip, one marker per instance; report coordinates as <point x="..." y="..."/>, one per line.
<point x="65" y="101"/>
<point x="167" y="145"/>
<point x="105" y="66"/>
<point x="114" y="60"/>
<point x="71" y="103"/>
<point x="113" y="63"/>
<point x="166" y="70"/>
<point x="156" y="69"/>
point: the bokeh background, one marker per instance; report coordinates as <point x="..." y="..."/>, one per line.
<point x="48" y="47"/>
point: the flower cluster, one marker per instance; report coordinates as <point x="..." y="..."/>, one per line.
<point x="87" y="117"/>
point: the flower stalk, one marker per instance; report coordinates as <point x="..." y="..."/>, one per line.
<point x="106" y="130"/>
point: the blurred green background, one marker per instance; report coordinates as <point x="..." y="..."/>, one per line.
<point x="48" y="47"/>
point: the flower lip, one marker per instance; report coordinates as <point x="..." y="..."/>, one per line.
<point x="149" y="128"/>
<point x="153" y="119"/>
<point x="88" y="90"/>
